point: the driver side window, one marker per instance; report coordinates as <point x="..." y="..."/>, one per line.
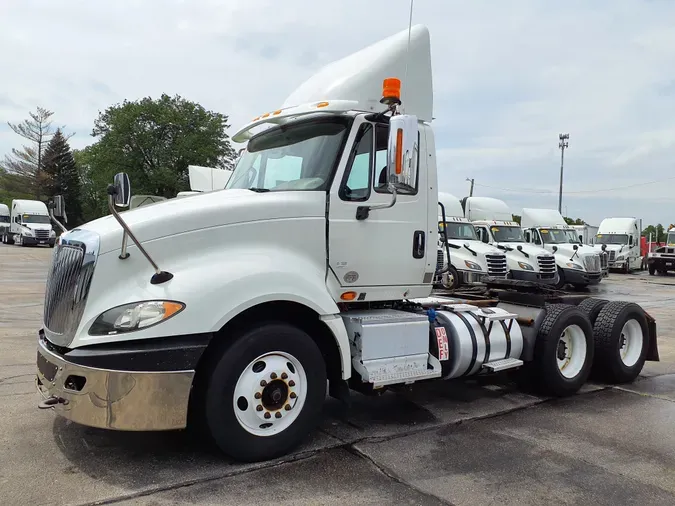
<point x="356" y="182"/>
<point x="535" y="237"/>
<point x="482" y="234"/>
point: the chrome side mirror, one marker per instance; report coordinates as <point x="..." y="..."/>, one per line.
<point x="402" y="151"/>
<point x="121" y="191"/>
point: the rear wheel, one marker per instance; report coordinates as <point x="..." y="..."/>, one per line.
<point x="265" y="393"/>
<point x="592" y="307"/>
<point x="563" y="353"/>
<point x="621" y="341"/>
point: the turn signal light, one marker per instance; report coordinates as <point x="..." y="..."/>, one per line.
<point x="348" y="296"/>
<point x="399" y="150"/>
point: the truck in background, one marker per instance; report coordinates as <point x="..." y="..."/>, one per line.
<point x="662" y="259"/>
<point x="4" y="220"/>
<point x="303" y="282"/>
<point x="578" y="265"/>
<point x="30" y="224"/>
<point x="471" y="261"/>
<point x="494" y="225"/>
<point x="620" y="239"/>
<point x="205" y="179"/>
<point x="586" y="233"/>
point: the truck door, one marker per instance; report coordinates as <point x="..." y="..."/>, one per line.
<point x="390" y="247"/>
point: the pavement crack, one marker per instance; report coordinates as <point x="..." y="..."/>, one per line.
<point x="643" y="394"/>
<point x="394" y="477"/>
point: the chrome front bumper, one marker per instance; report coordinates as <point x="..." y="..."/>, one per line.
<point x="108" y="399"/>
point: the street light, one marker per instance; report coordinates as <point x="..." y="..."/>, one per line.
<point x="562" y="145"/>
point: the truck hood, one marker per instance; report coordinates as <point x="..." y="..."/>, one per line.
<point x="568" y="250"/>
<point x="532" y="251"/>
<point x="37" y="226"/>
<point x="478" y="246"/>
<point x="613" y="247"/>
<point x="207" y="210"/>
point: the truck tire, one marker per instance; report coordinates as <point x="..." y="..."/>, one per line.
<point x="560" y="283"/>
<point x="264" y="394"/>
<point x="450" y="279"/>
<point x="563" y="352"/>
<point x="592" y="307"/>
<point x="621" y="338"/>
<point x="652" y="269"/>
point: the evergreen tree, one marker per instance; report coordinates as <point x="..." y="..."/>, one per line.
<point x="62" y="177"/>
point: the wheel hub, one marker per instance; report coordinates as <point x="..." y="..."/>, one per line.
<point x="562" y="350"/>
<point x="274" y="395"/>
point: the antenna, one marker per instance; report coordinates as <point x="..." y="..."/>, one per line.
<point x="407" y="50"/>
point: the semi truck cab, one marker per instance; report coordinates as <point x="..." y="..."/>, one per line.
<point x="4" y="221"/>
<point x="30" y="224"/>
<point x="233" y="311"/>
<point x="620" y="239"/>
<point x="578" y="264"/>
<point x="494" y="224"/>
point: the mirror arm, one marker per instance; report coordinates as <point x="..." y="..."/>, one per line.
<point x="362" y="212"/>
<point x="123" y="251"/>
<point x="51" y="215"/>
<point x="159" y="276"/>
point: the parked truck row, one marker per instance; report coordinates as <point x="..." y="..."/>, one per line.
<point x="26" y="223"/>
<point x="314" y="270"/>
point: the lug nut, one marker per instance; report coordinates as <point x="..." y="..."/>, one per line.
<point x="273" y="375"/>
<point x="291" y="383"/>
<point x="259" y="408"/>
<point x="287" y="407"/>
<point x="257" y="395"/>
<point x="263" y="383"/>
<point x="284" y="376"/>
<point x="278" y="414"/>
<point x="267" y="415"/>
<point x="292" y="395"/>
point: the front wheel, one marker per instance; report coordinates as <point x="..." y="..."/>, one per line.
<point x="265" y="393"/>
<point x="450" y="279"/>
<point x="560" y="282"/>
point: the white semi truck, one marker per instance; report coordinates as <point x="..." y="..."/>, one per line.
<point x="578" y="264"/>
<point x="471" y="261"/>
<point x="494" y="224"/>
<point x="620" y="239"/>
<point x="233" y="311"/>
<point x="4" y="220"/>
<point x="30" y="224"/>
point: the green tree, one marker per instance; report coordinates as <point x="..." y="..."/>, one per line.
<point x="23" y="168"/>
<point x="516" y="218"/>
<point x="577" y="221"/>
<point x="154" y="141"/>
<point x="62" y="177"/>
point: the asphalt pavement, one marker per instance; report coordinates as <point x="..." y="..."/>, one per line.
<point x="476" y="442"/>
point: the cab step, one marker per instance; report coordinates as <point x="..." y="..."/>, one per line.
<point x="503" y="364"/>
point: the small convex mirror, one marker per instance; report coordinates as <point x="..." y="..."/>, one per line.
<point x="122" y="190"/>
<point x="402" y="152"/>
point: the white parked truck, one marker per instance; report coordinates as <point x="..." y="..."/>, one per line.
<point x="620" y="239"/>
<point x="30" y="224"/>
<point x="4" y="220"/>
<point x="471" y="261"/>
<point x="662" y="259"/>
<point x="578" y="264"/>
<point x="494" y="225"/>
<point x="311" y="271"/>
<point x="586" y="233"/>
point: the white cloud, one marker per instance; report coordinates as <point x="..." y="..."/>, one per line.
<point x="508" y="77"/>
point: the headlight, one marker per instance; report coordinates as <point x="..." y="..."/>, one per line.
<point x="472" y="265"/>
<point x="134" y="316"/>
<point x="572" y="265"/>
<point x="27" y="231"/>
<point x="525" y="266"/>
<point x="52" y="233"/>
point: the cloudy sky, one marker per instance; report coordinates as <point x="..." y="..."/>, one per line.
<point x="508" y="78"/>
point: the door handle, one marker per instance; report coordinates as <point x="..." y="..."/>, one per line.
<point x="418" y="244"/>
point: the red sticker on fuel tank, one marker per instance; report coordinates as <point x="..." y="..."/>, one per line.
<point x="442" y="339"/>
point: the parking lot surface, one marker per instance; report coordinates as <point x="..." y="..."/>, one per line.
<point x="477" y="442"/>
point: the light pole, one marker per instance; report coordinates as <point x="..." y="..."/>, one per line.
<point x="562" y="145"/>
<point x="471" y="190"/>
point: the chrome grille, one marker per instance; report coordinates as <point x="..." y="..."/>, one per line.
<point x="439" y="260"/>
<point x="547" y="267"/>
<point x="496" y="265"/>
<point x="41" y="234"/>
<point x="592" y="263"/>
<point x="68" y="283"/>
<point x="612" y="257"/>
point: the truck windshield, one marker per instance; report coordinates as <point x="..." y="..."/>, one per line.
<point x="507" y="234"/>
<point x="4" y="219"/>
<point x="611" y="239"/>
<point x="291" y="158"/>
<point x="558" y="236"/>
<point x="461" y="231"/>
<point x="670" y="239"/>
<point x="34" y="218"/>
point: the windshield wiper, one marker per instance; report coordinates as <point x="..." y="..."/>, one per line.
<point x="259" y="190"/>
